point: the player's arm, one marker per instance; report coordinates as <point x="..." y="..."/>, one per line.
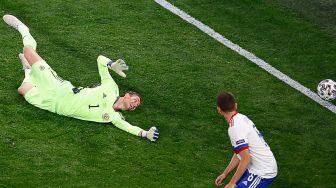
<point x="232" y="165"/>
<point x="152" y="134"/>
<point x="239" y="141"/>
<point x="242" y="166"/>
<point x="102" y="62"/>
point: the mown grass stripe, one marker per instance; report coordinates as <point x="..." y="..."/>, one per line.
<point x="248" y="55"/>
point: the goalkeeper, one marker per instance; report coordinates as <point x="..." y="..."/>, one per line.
<point x="43" y="88"/>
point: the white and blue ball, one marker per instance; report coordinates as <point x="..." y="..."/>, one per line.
<point x="326" y="89"/>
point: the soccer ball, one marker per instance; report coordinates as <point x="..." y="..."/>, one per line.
<point x="326" y="89"/>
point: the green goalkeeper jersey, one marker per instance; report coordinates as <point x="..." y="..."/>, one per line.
<point x="93" y="104"/>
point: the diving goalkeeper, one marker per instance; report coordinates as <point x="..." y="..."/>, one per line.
<point x="43" y="88"/>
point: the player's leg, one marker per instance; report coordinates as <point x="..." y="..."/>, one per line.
<point x="29" y="42"/>
<point x="24" y="88"/>
<point x="24" y="62"/>
<point x="33" y="87"/>
<point x="26" y="83"/>
<point x="27" y="38"/>
<point x="31" y="55"/>
<point x="41" y="73"/>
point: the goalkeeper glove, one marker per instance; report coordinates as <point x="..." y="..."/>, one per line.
<point x="152" y="134"/>
<point x="119" y="66"/>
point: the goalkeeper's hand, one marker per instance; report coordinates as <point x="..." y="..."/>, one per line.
<point x="152" y="134"/>
<point x="119" y="66"/>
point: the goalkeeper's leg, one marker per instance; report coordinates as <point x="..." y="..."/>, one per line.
<point x="29" y="42"/>
<point x="31" y="55"/>
<point x="26" y="83"/>
<point x="27" y="38"/>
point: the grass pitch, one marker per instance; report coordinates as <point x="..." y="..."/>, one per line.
<point x="179" y="71"/>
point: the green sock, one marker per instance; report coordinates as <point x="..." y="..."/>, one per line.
<point x="27" y="38"/>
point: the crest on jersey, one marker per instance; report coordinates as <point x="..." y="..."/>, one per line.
<point x="106" y="117"/>
<point x="42" y="67"/>
<point x="104" y="95"/>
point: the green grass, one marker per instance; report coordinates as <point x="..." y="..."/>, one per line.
<point x="179" y="71"/>
<point x="319" y="12"/>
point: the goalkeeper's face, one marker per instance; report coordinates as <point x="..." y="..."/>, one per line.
<point x="131" y="102"/>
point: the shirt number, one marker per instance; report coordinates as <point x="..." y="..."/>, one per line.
<point x="93" y="106"/>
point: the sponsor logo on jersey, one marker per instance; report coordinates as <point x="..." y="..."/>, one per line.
<point x="240" y="141"/>
<point x="106" y="117"/>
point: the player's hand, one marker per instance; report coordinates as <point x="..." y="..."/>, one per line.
<point x="220" y="179"/>
<point x="119" y="66"/>
<point x="152" y="134"/>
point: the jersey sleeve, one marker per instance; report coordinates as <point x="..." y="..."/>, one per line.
<point x="103" y="70"/>
<point x="238" y="137"/>
<point x="125" y="126"/>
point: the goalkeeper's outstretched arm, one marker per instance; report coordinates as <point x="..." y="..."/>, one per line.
<point x="102" y="62"/>
<point x="152" y="134"/>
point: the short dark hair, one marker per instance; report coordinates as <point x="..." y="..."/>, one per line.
<point x="226" y="101"/>
<point x="133" y="93"/>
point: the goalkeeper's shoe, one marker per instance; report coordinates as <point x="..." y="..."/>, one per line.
<point x="14" y="22"/>
<point x="152" y="134"/>
<point x="24" y="62"/>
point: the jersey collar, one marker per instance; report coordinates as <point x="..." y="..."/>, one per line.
<point x="114" y="103"/>
<point x="231" y="119"/>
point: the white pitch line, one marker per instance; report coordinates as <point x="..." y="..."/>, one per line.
<point x="248" y="55"/>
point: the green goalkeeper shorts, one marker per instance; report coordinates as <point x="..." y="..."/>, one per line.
<point x="47" y="88"/>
